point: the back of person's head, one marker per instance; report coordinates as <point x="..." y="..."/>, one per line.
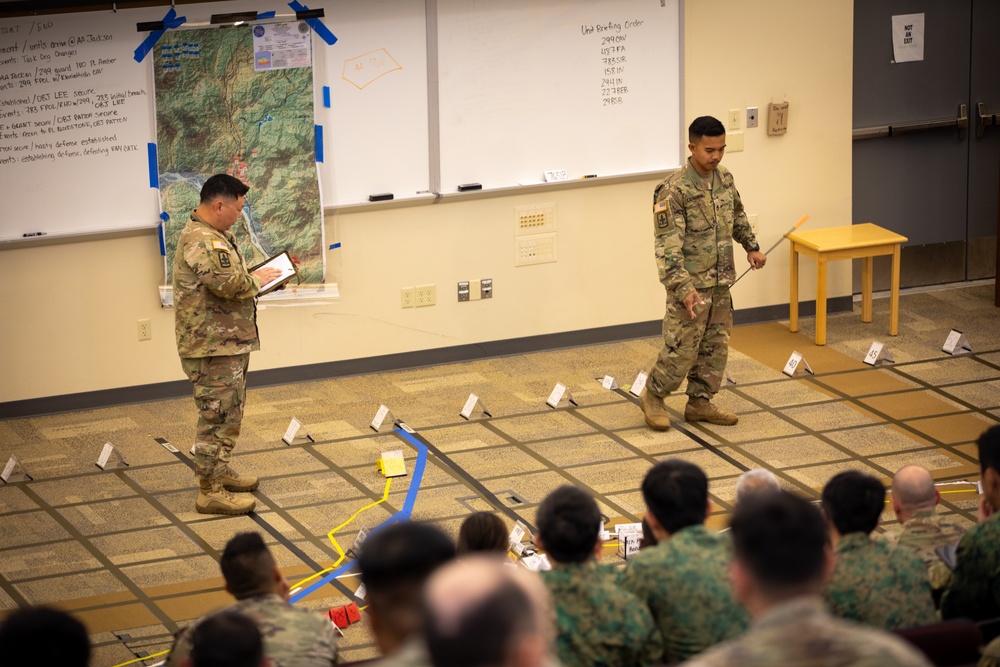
<point x="395" y="563"/>
<point x="648" y="538"/>
<point x="478" y="613"/>
<point x="705" y="126"/>
<point x="226" y="639"/>
<point x="989" y="449"/>
<point x="913" y="488"/>
<point x="248" y="566"/>
<point x="42" y="636"/>
<point x="568" y="524"/>
<point x="482" y="532"/>
<point x="223" y="186"/>
<point x="781" y="540"/>
<point x="676" y="492"/>
<point x="758" y="480"/>
<point x="853" y="502"/>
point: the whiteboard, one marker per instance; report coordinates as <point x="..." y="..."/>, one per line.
<point x="591" y="87"/>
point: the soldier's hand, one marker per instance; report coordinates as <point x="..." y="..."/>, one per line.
<point x="757" y="259"/>
<point x="692" y="300"/>
<point x="267" y="274"/>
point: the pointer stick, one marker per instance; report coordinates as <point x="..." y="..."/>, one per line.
<point x="778" y="242"/>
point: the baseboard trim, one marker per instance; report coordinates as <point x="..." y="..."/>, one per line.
<point x="391" y="362"/>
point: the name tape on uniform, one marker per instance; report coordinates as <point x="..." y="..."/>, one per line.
<point x="795" y="362"/>
<point x="876" y="353"/>
<point x="473" y="405"/>
<point x="559" y="392"/>
<point x="956" y="343"/>
<point x="296" y="434"/>
<point x="639" y="384"/>
<point x="14" y="471"/>
<point x="609" y="383"/>
<point x="104" y="461"/>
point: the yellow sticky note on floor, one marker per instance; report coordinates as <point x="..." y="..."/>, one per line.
<point x="392" y="464"/>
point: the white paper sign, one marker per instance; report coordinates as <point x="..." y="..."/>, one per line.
<point x="639" y="384"/>
<point x="877" y="353"/>
<point x="13" y="471"/>
<point x="471" y="405"/>
<point x="609" y="383"/>
<point x="556" y="175"/>
<point x="380" y="416"/>
<point x="361" y="592"/>
<point x="558" y="393"/>
<point x="907" y="38"/>
<point x="793" y="364"/>
<point x="516" y="534"/>
<point x="628" y="528"/>
<point x="9" y="468"/>
<point x="281" y="45"/>
<point x="956" y="342"/>
<point x="105" y="457"/>
<point x="537" y="563"/>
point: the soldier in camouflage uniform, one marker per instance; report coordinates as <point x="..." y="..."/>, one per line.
<point x="684" y="579"/>
<point x="697" y="213"/>
<point x="781" y="558"/>
<point x="872" y="583"/>
<point x="914" y="499"/>
<point x="974" y="591"/>
<point x="215" y="319"/>
<point x="597" y="623"/>
<point x="293" y="636"/>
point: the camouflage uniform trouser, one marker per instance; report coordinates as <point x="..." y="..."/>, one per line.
<point x="696" y="348"/>
<point x="219" y="392"/>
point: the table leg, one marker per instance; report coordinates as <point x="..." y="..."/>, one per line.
<point x="894" y="299"/>
<point x="820" y="299"/>
<point x="867" y="264"/>
<point x="793" y="281"/>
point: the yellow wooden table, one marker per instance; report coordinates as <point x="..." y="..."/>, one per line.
<point x="864" y="241"/>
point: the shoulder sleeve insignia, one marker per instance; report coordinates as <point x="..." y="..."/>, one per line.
<point x="219" y="245"/>
<point x="660" y="206"/>
<point x="661" y="220"/>
<point x="223" y="258"/>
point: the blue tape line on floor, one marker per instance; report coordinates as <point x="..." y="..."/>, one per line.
<point x="402" y="515"/>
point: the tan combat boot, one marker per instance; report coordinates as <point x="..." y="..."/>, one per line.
<point x="702" y="410"/>
<point x="213" y="498"/>
<point x="233" y="481"/>
<point x="654" y="411"/>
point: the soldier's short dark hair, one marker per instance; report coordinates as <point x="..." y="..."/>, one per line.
<point x="223" y="186"/>
<point x="226" y="639"/>
<point x="676" y="492"/>
<point x="780" y="539"/>
<point x="247" y="566"/>
<point x="989" y="449"/>
<point x="853" y="502"/>
<point x="482" y="532"/>
<point x="705" y="126"/>
<point x="568" y="523"/>
<point x="43" y="636"/>
<point x="484" y="634"/>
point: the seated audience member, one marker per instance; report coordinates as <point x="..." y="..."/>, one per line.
<point x="478" y="613"/>
<point x="758" y="480"/>
<point x="974" y="591"/>
<point x="914" y="499"/>
<point x="483" y="531"/>
<point x="872" y="583"/>
<point x="684" y="578"/>
<point x="597" y="623"/>
<point x="648" y="539"/>
<point x="226" y="639"/>
<point x="781" y="561"/>
<point x="395" y="563"/>
<point x="42" y="636"/>
<point x="293" y="636"/>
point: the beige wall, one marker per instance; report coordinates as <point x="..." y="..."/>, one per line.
<point x="68" y="312"/>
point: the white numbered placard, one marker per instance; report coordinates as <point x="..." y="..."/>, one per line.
<point x="795" y="362"/>
<point x="876" y="353"/>
<point x="609" y="383"/>
<point x="14" y="471"/>
<point x="559" y="392"/>
<point x="956" y="342"/>
<point x="295" y="433"/>
<point x="556" y="175"/>
<point x="380" y="417"/>
<point x="639" y="384"/>
<point x="104" y="461"/>
<point x="472" y="405"/>
<point x="361" y="592"/>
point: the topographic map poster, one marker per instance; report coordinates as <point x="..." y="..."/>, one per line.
<point x="215" y="114"/>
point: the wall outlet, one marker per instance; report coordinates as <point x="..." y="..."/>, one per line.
<point x="463" y="290"/>
<point x="144" y="329"/>
<point x="487" y="288"/>
<point x="426" y="295"/>
<point x="753" y="116"/>
<point x="407" y="297"/>
<point x="534" y="249"/>
<point x="534" y="219"/>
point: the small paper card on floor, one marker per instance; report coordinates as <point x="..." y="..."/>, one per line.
<point x="876" y="353"/>
<point x="559" y="392"/>
<point x="296" y="434"/>
<point x="639" y="384"/>
<point x="380" y="417"/>
<point x="473" y="404"/>
<point x="14" y="471"/>
<point x="794" y="362"/>
<point x="609" y="383"/>
<point x="537" y="562"/>
<point x="729" y="378"/>
<point x="362" y="592"/>
<point x="956" y="342"/>
<point x="517" y="533"/>
<point x="392" y="464"/>
<point x="105" y="462"/>
<point x="170" y="448"/>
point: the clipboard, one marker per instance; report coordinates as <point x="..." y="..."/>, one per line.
<point x="283" y="262"/>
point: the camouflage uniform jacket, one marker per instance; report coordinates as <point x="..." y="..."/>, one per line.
<point x="924" y="532"/>
<point x="685" y="583"/>
<point x="293" y="636"/>
<point x="801" y="633"/>
<point x="412" y="653"/>
<point x="694" y="225"/>
<point x="598" y="623"/>
<point x="975" y="584"/>
<point x="880" y="586"/>
<point x="215" y="314"/>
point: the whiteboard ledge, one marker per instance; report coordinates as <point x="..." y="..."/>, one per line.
<point x="11" y="243"/>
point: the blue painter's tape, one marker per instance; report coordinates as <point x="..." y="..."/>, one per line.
<point x="170" y="21"/>
<point x="154" y="171"/>
<point x="326" y="96"/>
<point x="317" y="25"/>
<point x="319" y="143"/>
<point x="335" y="246"/>
<point x="163" y="241"/>
<point x="265" y="15"/>
<point x="164" y="216"/>
<point x="402" y="515"/>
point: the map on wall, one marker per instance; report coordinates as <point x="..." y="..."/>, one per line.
<point x="216" y="114"/>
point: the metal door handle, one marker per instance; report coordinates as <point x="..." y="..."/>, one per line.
<point x="961" y="122"/>
<point x="984" y="120"/>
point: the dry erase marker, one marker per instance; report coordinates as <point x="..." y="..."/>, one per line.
<point x="589" y="176"/>
<point x="27" y="234"/>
